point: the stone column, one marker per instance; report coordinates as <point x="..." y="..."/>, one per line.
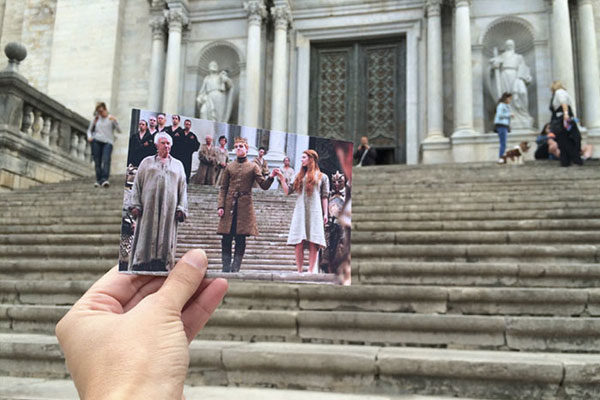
<point x="282" y="17"/>
<point x="589" y="67"/>
<point x="157" y="63"/>
<point x="562" y="47"/>
<point x="463" y="88"/>
<point x="435" y="116"/>
<point x="176" y="19"/>
<point x="256" y="12"/>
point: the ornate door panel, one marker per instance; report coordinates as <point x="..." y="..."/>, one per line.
<point x="359" y="89"/>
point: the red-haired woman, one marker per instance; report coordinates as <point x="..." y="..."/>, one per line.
<point x="310" y="214"/>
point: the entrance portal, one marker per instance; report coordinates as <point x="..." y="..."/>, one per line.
<point x="359" y="89"/>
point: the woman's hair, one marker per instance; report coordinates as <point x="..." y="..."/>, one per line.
<point x="99" y="106"/>
<point x="543" y="132"/>
<point x="311" y="171"/>
<point x="505" y="96"/>
<point x="557" y="85"/>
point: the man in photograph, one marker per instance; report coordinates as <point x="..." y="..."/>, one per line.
<point x="158" y="204"/>
<point x="152" y="125"/>
<point x="208" y="163"/>
<point x="235" y="207"/>
<point x="185" y="144"/>
<point x="161" y="118"/>
<point x="175" y="127"/>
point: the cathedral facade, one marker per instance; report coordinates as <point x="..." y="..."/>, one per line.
<point x="420" y="78"/>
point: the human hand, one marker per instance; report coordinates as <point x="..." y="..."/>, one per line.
<point x="112" y="118"/>
<point x="180" y="216"/>
<point x="128" y="335"/>
<point x="220" y="211"/>
<point x="136" y="212"/>
<point x="325" y="219"/>
<point x="90" y="140"/>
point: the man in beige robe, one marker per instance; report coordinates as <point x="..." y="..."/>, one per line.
<point x="158" y="203"/>
<point x="208" y="163"/>
<point x="262" y="163"/>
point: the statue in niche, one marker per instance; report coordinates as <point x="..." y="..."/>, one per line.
<point x="511" y="74"/>
<point x="215" y="99"/>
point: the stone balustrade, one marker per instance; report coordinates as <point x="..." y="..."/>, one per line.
<point x="41" y="140"/>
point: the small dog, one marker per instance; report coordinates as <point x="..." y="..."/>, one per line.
<point x="515" y="156"/>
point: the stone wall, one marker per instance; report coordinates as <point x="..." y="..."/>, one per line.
<point x="85" y="51"/>
<point x="38" y="25"/>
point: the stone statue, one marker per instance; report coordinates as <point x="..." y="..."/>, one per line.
<point x="511" y="74"/>
<point x="215" y="98"/>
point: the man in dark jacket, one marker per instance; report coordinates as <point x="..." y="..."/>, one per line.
<point x="365" y="154"/>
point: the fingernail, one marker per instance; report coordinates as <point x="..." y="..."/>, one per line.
<point x="196" y="258"/>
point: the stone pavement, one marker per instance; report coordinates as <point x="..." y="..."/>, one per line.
<point x="472" y="280"/>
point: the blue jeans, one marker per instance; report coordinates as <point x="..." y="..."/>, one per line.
<point x="101" y="152"/>
<point x="502" y="133"/>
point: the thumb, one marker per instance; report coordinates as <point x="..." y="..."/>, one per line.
<point x="184" y="279"/>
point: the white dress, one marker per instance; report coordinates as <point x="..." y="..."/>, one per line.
<point x="307" y="220"/>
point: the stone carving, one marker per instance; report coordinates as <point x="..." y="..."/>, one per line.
<point x="157" y="23"/>
<point x="510" y="73"/>
<point x="256" y="11"/>
<point x="215" y="99"/>
<point x="282" y="16"/>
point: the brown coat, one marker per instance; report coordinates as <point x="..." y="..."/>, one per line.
<point x="238" y="179"/>
<point x="207" y="168"/>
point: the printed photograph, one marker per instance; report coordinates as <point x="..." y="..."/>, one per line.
<point x="264" y="205"/>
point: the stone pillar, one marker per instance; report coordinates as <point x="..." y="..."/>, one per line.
<point x="157" y="63"/>
<point x="435" y="116"/>
<point x="562" y="47"/>
<point x="589" y="67"/>
<point x="282" y="17"/>
<point x="176" y="19"/>
<point x="463" y="74"/>
<point x="256" y="12"/>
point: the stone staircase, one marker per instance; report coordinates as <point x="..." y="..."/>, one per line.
<point x="472" y="280"/>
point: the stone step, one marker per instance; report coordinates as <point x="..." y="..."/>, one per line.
<point x="350" y="369"/>
<point x="62" y="389"/>
<point x="62" y="229"/>
<point x="476" y="237"/>
<point x="478" y="225"/>
<point x="433" y="199"/>
<point x="496" y="206"/>
<point x="591" y="213"/>
<point x="479" y="252"/>
<point x="519" y="333"/>
<point x="383" y="298"/>
<point x="559" y="273"/>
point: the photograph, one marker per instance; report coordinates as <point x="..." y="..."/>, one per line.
<point x="264" y="205"/>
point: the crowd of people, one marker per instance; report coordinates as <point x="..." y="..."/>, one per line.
<point x="560" y="139"/>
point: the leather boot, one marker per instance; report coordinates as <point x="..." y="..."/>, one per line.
<point x="238" y="256"/>
<point x="226" y="253"/>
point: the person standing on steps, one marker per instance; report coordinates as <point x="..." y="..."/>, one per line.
<point x="222" y="158"/>
<point x="235" y="208"/>
<point x="502" y="122"/>
<point x="185" y="144"/>
<point x="158" y="204"/>
<point x="365" y="155"/>
<point x="101" y="135"/>
<point x="311" y="211"/>
<point x="141" y="145"/>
